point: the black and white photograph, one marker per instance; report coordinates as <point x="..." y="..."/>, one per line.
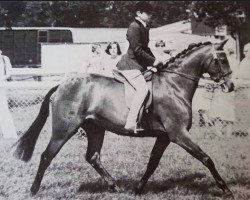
<point x="124" y="100"/>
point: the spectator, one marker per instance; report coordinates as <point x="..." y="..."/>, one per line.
<point x="217" y="105"/>
<point x="244" y="67"/>
<point x="223" y="104"/>
<point x="95" y="63"/>
<point x="5" y="65"/>
<point x="242" y="103"/>
<point x="113" y="51"/>
<point x="160" y="43"/>
<point x="161" y="51"/>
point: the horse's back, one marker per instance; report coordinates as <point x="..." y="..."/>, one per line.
<point x="89" y="96"/>
<point x="82" y="83"/>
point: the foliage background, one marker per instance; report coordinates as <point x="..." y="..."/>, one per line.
<point x="114" y="14"/>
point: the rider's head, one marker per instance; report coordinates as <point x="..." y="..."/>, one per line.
<point x="144" y="11"/>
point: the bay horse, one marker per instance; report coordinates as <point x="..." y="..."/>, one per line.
<point x="96" y="103"/>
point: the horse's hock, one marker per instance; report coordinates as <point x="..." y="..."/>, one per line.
<point x="24" y="105"/>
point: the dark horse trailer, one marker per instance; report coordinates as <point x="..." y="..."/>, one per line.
<point x="23" y="44"/>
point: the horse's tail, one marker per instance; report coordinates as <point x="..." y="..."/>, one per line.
<point x="27" y="142"/>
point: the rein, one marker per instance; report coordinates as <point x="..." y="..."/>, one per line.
<point x="196" y="78"/>
<point x="193" y="78"/>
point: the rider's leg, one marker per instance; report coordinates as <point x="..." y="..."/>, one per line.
<point x="141" y="92"/>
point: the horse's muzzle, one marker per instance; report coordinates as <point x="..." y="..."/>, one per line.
<point x="227" y="87"/>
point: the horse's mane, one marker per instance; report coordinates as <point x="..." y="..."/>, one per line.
<point x="185" y="51"/>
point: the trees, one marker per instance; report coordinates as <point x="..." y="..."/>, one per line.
<point x="116" y="14"/>
<point x="228" y="13"/>
<point x="11" y="11"/>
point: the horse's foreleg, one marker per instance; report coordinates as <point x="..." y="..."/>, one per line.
<point x="186" y="142"/>
<point x="95" y="137"/>
<point x="156" y="154"/>
<point x="51" y="151"/>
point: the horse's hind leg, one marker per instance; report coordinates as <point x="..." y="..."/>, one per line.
<point x="155" y="156"/>
<point x="57" y="140"/>
<point x="95" y="137"/>
<point x="186" y="142"/>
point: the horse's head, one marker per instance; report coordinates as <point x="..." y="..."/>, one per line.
<point x="217" y="66"/>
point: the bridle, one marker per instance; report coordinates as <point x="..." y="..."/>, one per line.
<point x="222" y="75"/>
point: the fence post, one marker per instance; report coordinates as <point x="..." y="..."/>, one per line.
<point x="6" y="121"/>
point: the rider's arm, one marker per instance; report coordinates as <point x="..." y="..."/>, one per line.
<point x="134" y="38"/>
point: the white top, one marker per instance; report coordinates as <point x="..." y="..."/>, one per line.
<point x="95" y="64"/>
<point x="143" y="23"/>
<point x="103" y="65"/>
<point x="244" y="69"/>
<point x="5" y="66"/>
<point x="110" y="64"/>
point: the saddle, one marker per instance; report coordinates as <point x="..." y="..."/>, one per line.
<point x="130" y="90"/>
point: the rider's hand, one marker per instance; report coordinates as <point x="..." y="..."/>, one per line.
<point x="153" y="69"/>
<point x="157" y="63"/>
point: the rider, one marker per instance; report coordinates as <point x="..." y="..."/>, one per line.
<point x="137" y="59"/>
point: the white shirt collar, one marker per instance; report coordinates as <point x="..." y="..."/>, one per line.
<point x="143" y="23"/>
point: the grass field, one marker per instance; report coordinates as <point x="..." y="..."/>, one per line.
<point x="179" y="176"/>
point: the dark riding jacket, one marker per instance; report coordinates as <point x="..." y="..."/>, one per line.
<point x="139" y="55"/>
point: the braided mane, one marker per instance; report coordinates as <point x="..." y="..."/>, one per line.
<point x="185" y="51"/>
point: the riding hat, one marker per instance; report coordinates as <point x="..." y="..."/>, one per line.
<point x="143" y="6"/>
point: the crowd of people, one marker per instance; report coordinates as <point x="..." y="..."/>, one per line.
<point x="103" y="62"/>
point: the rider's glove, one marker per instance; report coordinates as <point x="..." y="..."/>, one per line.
<point x="153" y="69"/>
<point x="157" y="63"/>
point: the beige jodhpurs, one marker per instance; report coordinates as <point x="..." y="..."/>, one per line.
<point x="137" y="80"/>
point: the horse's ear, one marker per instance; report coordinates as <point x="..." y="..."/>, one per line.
<point x="221" y="45"/>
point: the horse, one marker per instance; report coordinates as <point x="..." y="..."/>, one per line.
<point x="96" y="104"/>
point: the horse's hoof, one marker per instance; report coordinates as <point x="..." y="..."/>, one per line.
<point x="227" y="194"/>
<point x="137" y="190"/>
<point x="34" y="190"/>
<point x="113" y="188"/>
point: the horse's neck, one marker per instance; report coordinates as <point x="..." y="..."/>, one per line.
<point x="191" y="66"/>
